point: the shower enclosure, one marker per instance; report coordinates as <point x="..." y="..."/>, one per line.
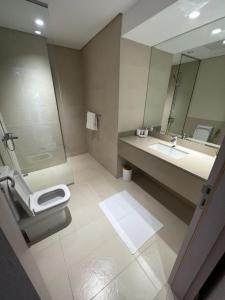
<point x="185" y="75"/>
<point x="30" y="133"/>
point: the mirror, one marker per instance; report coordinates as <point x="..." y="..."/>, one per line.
<point x="186" y="85"/>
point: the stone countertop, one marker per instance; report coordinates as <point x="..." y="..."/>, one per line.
<point x="195" y="163"/>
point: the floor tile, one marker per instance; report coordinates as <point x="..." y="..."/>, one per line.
<point x="165" y="294"/>
<point x="51" y="260"/>
<point x="131" y="284"/>
<point x="105" y="187"/>
<point x="157" y="261"/>
<point x="83" y="207"/>
<point x="92" y="274"/>
<point x="52" y="266"/>
<point x="45" y="243"/>
<point x="78" y="244"/>
<point x="59" y="287"/>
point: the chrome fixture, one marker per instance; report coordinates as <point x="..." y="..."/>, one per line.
<point x="183" y="136"/>
<point x="8" y="178"/>
<point x="9" y="137"/>
<point x="173" y="141"/>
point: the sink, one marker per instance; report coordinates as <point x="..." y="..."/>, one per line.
<point x="168" y="150"/>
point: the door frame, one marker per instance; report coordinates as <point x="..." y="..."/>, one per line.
<point x="199" y="253"/>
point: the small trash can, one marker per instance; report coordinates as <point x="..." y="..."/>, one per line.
<point x="127" y="173"/>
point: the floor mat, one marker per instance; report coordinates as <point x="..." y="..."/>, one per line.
<point x="133" y="223"/>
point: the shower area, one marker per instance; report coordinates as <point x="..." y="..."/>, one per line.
<point x="31" y="138"/>
<point x="181" y="86"/>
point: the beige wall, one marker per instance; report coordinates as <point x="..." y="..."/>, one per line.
<point x="27" y="100"/>
<point x="208" y="101"/>
<point x="134" y="68"/>
<point x="67" y="71"/>
<point x="101" y="90"/>
<point x="159" y="74"/>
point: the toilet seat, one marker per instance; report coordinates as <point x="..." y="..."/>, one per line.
<point x="49" y="198"/>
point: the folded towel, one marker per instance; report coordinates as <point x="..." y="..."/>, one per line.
<point x="92" y="122"/>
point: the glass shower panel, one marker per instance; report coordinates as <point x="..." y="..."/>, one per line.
<point x="185" y="74"/>
<point x="27" y="100"/>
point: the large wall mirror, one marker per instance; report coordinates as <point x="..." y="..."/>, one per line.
<point x="186" y="85"/>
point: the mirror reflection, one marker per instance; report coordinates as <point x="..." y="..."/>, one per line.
<point x="186" y="90"/>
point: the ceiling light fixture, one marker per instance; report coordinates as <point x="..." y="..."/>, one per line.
<point x="37" y="32"/>
<point x="224" y="42"/>
<point x="194" y="14"/>
<point x="39" y="22"/>
<point x="216" y="31"/>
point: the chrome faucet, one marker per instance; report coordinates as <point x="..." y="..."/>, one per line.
<point x="173" y="141"/>
<point x="183" y="136"/>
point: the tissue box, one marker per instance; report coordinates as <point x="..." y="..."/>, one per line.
<point x="142" y="132"/>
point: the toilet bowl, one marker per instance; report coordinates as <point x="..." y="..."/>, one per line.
<point x="49" y="198"/>
<point x="40" y="201"/>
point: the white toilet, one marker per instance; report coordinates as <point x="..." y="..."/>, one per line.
<point x="37" y="202"/>
<point x="38" y="214"/>
<point x="202" y="133"/>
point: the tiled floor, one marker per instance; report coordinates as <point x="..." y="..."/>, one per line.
<point x="87" y="260"/>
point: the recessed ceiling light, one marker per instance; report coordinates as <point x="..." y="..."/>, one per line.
<point x="37" y="32"/>
<point x="39" y="22"/>
<point x="194" y="14"/>
<point x="216" y="31"/>
<point x="224" y="42"/>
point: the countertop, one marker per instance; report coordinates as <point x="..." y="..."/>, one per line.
<point x="195" y="163"/>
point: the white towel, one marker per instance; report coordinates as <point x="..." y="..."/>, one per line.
<point x="92" y="122"/>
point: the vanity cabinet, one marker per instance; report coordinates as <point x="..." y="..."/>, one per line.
<point x="182" y="182"/>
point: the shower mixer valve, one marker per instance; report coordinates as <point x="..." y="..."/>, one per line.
<point x="9" y="137"/>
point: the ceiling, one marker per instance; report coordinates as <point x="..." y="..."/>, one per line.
<point x="70" y="23"/>
<point x="174" y="21"/>
<point x="20" y="15"/>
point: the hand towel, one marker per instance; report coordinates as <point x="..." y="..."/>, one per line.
<point x="92" y="122"/>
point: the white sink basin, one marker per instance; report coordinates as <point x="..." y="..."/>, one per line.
<point x="167" y="150"/>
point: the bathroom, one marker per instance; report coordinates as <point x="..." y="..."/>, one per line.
<point x="111" y="132"/>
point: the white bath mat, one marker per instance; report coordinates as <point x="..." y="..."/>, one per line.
<point x="133" y="223"/>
